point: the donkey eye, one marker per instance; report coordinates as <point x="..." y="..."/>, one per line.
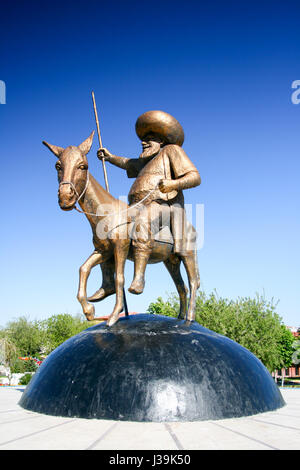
<point x="58" y="166"/>
<point x="82" y="167"/>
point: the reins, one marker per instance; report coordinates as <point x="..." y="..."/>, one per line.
<point x="107" y="214"/>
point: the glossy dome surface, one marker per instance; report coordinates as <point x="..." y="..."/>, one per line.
<point x="151" y="368"/>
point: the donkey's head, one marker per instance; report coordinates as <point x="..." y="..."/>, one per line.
<point x="72" y="171"/>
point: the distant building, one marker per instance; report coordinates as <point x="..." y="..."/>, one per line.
<point x="294" y="330"/>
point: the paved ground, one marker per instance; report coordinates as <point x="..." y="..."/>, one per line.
<point x="22" y="429"/>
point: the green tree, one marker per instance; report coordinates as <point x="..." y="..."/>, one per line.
<point x="8" y="350"/>
<point x="59" y="328"/>
<point x="25" y="379"/>
<point x="27" y="336"/>
<point x="19" y="366"/>
<point x="285" y="343"/>
<point x="253" y="323"/>
<point x="296" y="351"/>
<point x="170" y="308"/>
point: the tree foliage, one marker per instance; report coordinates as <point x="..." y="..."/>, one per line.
<point x="25" y="338"/>
<point x="19" y="366"/>
<point x="170" y="307"/>
<point x="253" y="323"/>
<point x="286" y="348"/>
<point x="59" y="328"/>
<point x="8" y="350"/>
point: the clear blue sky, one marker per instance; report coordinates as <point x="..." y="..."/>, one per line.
<point x="223" y="69"/>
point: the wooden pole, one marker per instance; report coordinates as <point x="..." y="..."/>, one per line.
<point x="105" y="178"/>
<point x="100" y="142"/>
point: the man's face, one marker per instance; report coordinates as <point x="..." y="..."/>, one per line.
<point x="151" y="147"/>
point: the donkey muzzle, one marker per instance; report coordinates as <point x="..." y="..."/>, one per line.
<point x="67" y="195"/>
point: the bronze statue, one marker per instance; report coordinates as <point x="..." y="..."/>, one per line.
<point x="153" y="228"/>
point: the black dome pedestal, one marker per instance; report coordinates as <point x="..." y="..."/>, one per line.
<point x="151" y="368"/>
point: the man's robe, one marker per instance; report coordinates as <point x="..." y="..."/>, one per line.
<point x="170" y="163"/>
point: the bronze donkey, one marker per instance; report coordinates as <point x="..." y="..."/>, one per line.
<point x="76" y="184"/>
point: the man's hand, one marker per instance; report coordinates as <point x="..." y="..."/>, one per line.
<point x="166" y="186"/>
<point x="104" y="153"/>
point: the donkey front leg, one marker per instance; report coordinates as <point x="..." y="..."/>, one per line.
<point x="84" y="272"/>
<point x="120" y="258"/>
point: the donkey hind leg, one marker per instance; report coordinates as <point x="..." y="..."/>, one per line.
<point x="191" y="266"/>
<point x="108" y="281"/>
<point x="173" y="266"/>
<point x="84" y="272"/>
<point x="121" y="253"/>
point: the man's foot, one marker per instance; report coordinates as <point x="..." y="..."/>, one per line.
<point x="137" y="286"/>
<point x="101" y="294"/>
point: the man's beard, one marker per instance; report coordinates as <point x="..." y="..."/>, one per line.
<point x="150" y="152"/>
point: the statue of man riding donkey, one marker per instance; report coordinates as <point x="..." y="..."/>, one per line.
<point x="151" y="229"/>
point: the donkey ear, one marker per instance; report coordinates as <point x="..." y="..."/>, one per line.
<point x="56" y="150"/>
<point x="86" y="145"/>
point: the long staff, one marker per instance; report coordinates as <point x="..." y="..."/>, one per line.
<point x="105" y="177"/>
<point x="100" y="142"/>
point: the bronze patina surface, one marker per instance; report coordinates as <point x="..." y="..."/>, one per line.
<point x="156" y="207"/>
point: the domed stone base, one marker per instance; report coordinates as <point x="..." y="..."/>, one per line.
<point x="151" y="368"/>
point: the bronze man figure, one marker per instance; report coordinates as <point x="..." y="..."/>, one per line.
<point x="164" y="170"/>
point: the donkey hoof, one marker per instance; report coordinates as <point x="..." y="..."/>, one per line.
<point x="112" y="319"/>
<point x="90" y="313"/>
